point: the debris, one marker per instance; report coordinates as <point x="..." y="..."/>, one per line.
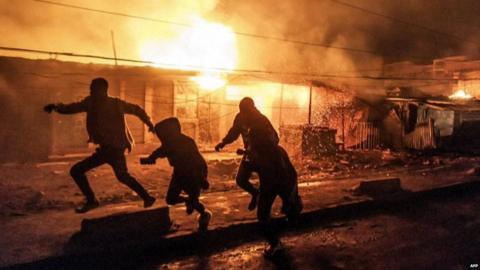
<point x="314" y="167"/>
<point x="378" y="187"/>
<point x="344" y="162"/>
<point x="52" y="163"/>
<point x="437" y="161"/>
<point x="473" y="171"/>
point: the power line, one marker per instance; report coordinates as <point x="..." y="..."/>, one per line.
<point x="251" y="35"/>
<point x="128" y="60"/>
<point x="180" y="24"/>
<point x="396" y="20"/>
<point x="240" y="71"/>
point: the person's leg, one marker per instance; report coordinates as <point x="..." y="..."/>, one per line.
<point x="173" y="193"/>
<point x="243" y="178"/>
<point x="78" y="174"/>
<point x="117" y="160"/>
<point x="265" y="202"/>
<point x="192" y="188"/>
<point x="243" y="181"/>
<point x="291" y="201"/>
<point x="292" y="204"/>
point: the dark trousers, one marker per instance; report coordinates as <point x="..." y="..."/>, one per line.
<point x="191" y="185"/>
<point x="113" y="157"/>
<point x="277" y="178"/>
<point x="244" y="173"/>
<point x="291" y="206"/>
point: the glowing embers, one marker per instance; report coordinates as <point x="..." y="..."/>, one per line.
<point x="461" y="94"/>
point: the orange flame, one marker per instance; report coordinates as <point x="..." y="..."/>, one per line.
<point x="460" y="94"/>
<point x="207" y="47"/>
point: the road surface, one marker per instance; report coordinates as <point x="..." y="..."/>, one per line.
<point x="443" y="233"/>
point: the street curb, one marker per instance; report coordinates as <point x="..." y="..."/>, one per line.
<point x="161" y="249"/>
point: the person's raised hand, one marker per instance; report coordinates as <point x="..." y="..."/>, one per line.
<point x="219" y="146"/>
<point x="50" y="107"/>
<point x="151" y="128"/>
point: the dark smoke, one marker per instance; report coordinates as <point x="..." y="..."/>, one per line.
<point x="35" y="25"/>
<point x="335" y="24"/>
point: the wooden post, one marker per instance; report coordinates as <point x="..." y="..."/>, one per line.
<point x="310" y="106"/>
<point x="113" y="46"/>
<point x="209" y="130"/>
<point x="343" y="123"/>
<point x="280" y="108"/>
<point x="148" y="105"/>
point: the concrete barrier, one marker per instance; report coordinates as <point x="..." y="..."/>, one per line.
<point x="379" y="187"/>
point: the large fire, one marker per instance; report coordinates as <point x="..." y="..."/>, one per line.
<point x="210" y="48"/>
<point x="207" y="47"/>
<point x="460" y="94"/>
<point x="271" y="96"/>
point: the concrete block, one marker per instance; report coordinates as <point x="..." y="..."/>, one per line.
<point x="143" y="222"/>
<point x="120" y="231"/>
<point x="379" y="187"/>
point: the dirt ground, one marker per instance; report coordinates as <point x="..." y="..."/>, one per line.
<point x="32" y="188"/>
<point x="38" y="199"/>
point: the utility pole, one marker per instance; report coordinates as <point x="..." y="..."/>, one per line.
<point x="280" y="108"/>
<point x="113" y="46"/>
<point x="310" y="106"/>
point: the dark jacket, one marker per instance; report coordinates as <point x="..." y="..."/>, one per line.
<point x="180" y="150"/>
<point x="261" y="133"/>
<point x="267" y="157"/>
<point x="240" y="127"/>
<point x="106" y="125"/>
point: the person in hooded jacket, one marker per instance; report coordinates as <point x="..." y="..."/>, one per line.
<point x="245" y="169"/>
<point x="277" y="175"/>
<point x="107" y="128"/>
<point x="189" y="168"/>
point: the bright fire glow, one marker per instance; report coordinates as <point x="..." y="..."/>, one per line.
<point x="207" y="47"/>
<point x="210" y="81"/>
<point x="461" y="94"/>
<point x="263" y="94"/>
<point x="267" y="95"/>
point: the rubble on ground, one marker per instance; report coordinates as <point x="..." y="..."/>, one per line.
<point x="359" y="163"/>
<point x="36" y="187"/>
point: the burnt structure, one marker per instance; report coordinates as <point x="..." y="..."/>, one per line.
<point x="433" y="124"/>
<point x="29" y="135"/>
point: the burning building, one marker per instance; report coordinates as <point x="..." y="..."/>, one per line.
<point x="433" y="124"/>
<point x="433" y="105"/>
<point x="206" y="114"/>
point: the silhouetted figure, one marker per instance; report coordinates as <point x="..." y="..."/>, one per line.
<point x="107" y="128"/>
<point x="277" y="175"/>
<point x="245" y="169"/>
<point x="189" y="168"/>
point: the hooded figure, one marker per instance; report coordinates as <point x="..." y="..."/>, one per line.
<point x="189" y="168"/>
<point x="239" y="128"/>
<point x="277" y="175"/>
<point x="107" y="128"/>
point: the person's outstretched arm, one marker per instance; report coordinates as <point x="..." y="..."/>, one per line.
<point x="71" y="108"/>
<point x="158" y="153"/>
<point x="232" y="135"/>
<point x="136" y="110"/>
